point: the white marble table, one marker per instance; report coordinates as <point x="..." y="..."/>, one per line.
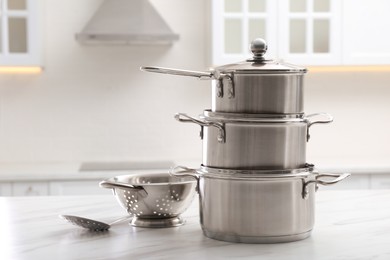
<point x="349" y="225"/>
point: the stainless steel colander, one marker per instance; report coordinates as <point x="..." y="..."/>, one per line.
<point x="155" y="199"/>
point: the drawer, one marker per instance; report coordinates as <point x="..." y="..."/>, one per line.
<point x="30" y="189"/>
<point x="5" y="189"/>
<point x="77" y="188"/>
<point x="380" y="181"/>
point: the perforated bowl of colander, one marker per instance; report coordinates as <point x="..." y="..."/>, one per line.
<point x="154" y="200"/>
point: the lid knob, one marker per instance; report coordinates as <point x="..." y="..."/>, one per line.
<point x="258" y="48"/>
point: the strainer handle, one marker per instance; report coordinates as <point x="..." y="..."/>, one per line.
<point x="183" y="171"/>
<point x="113" y="185"/>
<point x="180" y="171"/>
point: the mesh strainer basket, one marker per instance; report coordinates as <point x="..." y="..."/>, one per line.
<point x="154" y="200"/>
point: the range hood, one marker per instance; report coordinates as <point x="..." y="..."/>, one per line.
<point x="126" y="22"/>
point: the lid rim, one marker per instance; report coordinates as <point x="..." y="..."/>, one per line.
<point x="265" y="66"/>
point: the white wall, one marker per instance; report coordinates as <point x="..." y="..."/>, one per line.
<point x="92" y="103"/>
<point x="360" y="104"/>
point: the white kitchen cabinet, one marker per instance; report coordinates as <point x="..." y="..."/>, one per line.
<point x="235" y="23"/>
<point x="82" y="187"/>
<point x="380" y="181"/>
<point x="309" y="32"/>
<point x="366" y="38"/>
<point x="20" y="33"/>
<point x="34" y="188"/>
<point x="5" y="189"/>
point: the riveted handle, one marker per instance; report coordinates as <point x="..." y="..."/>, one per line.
<point x="326" y="119"/>
<point x="319" y="180"/>
<point x="113" y="185"/>
<point x="181" y="117"/>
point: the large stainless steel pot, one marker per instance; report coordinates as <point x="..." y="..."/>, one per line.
<point x="249" y="141"/>
<point x="253" y="86"/>
<point x="257" y="207"/>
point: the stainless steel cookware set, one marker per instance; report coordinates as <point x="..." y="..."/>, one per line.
<point x="254" y="183"/>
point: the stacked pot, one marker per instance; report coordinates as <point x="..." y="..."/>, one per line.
<point x="254" y="183"/>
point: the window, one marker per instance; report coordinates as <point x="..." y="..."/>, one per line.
<point x="19" y="33"/>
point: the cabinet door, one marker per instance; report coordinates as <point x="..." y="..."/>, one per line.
<point x="235" y="23"/>
<point x="366" y="38"/>
<point x="30" y="189"/>
<point x="309" y="31"/>
<point x="77" y="188"/>
<point x="380" y="181"/>
<point x="5" y="189"/>
<point x="19" y="33"/>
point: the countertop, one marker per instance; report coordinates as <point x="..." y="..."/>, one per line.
<point x="349" y="225"/>
<point x="101" y="170"/>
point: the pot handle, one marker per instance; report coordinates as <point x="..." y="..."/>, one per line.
<point x="182" y="171"/>
<point x="181" y="117"/>
<point x="112" y="185"/>
<point x="190" y="73"/>
<point x="328" y="119"/>
<point x="200" y="75"/>
<point x="338" y="178"/>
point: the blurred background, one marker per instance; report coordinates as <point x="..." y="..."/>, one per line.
<point x="87" y="106"/>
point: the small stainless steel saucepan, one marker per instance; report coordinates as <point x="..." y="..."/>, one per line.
<point x="254" y="86"/>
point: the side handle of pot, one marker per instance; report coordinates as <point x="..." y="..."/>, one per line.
<point x="113" y="185"/>
<point x="181" y="117"/>
<point x="183" y="171"/>
<point x="190" y="73"/>
<point x="327" y="119"/>
<point x="319" y="180"/>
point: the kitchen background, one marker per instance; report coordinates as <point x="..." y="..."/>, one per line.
<point x="91" y="106"/>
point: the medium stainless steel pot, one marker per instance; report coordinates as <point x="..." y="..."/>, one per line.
<point x="257" y="207"/>
<point x="249" y="141"/>
<point x="253" y="86"/>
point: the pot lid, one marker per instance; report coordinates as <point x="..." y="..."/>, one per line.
<point x="258" y="64"/>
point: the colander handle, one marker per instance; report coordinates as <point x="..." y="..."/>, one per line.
<point x="182" y="171"/>
<point x="112" y="185"/>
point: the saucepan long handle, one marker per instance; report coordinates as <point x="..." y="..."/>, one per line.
<point x="189" y="73"/>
